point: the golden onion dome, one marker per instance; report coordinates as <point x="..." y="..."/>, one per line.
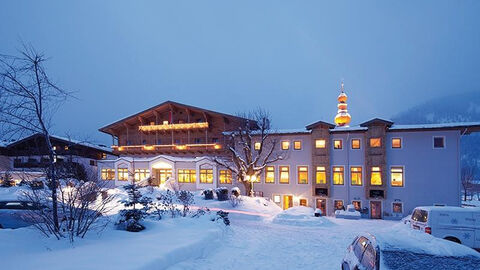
<point x="342" y="98"/>
<point x="342" y="118"/>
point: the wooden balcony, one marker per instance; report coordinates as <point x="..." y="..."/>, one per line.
<point x="167" y="149"/>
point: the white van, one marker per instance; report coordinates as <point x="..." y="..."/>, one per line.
<point x="457" y="224"/>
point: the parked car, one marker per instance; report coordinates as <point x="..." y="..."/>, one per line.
<point x="13" y="214"/>
<point x="457" y="224"/>
<point x="369" y="252"/>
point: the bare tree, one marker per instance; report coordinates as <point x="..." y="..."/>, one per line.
<point x="467" y="177"/>
<point x="28" y="100"/>
<point x="82" y="206"/>
<point x="251" y="149"/>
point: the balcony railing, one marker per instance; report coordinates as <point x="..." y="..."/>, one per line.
<point x="168" y="147"/>
<point x="168" y="127"/>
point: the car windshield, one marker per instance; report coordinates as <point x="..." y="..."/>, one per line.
<point x="420" y="215"/>
<point x="402" y="260"/>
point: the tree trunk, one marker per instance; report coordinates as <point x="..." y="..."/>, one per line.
<point x="248" y="187"/>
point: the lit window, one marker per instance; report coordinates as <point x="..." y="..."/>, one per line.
<point x="297" y="145"/>
<point x="376" y="177"/>
<point x="396" y="143"/>
<point x="122" y="174"/>
<point x="396" y="174"/>
<point x="302" y="202"/>
<point x="320" y="143"/>
<point x="397" y="207"/>
<point x="54" y="148"/>
<point x="337" y="144"/>
<point x="375" y="142"/>
<point x="285" y="145"/>
<point x="338" y="204"/>
<point x="162" y="175"/>
<point x="357" y="205"/>
<point x="257" y="145"/>
<point x="302" y="174"/>
<point x="225" y="177"/>
<point x="141" y="174"/>
<point x="270" y="174"/>
<point x="438" y="142"/>
<point x="104" y="155"/>
<point x="66" y="147"/>
<point x="187" y="176"/>
<point x="206" y="176"/>
<point x="356" y="176"/>
<point x="355" y="143"/>
<point x="284" y="175"/>
<point x="165" y="122"/>
<point x="108" y="174"/>
<point x="338" y="175"/>
<point x="320" y="175"/>
<point x="277" y="198"/>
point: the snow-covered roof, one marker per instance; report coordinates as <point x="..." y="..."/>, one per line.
<point x="347" y="129"/>
<point x="436" y="126"/>
<point x="73" y="141"/>
<point x="276" y="131"/>
<point x="395" y="127"/>
<point x="87" y="144"/>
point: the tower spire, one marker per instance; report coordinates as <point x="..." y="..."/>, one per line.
<point x="342" y="119"/>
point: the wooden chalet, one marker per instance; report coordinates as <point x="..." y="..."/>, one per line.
<point x="172" y="128"/>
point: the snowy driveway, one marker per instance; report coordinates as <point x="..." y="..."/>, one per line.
<point x="258" y="244"/>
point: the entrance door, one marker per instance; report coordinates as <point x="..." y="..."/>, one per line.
<point x="376" y="210"/>
<point x="287" y="201"/>
<point x="322" y="205"/>
<point x="161" y="175"/>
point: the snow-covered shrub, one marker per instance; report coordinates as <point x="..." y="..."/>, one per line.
<point x="167" y="202"/>
<point x="222" y="215"/>
<point x="185" y="198"/>
<point x="235" y="201"/>
<point x="131" y="217"/>
<point x="200" y="212"/>
<point x="222" y="193"/>
<point x="236" y="192"/>
<point x="208" y="193"/>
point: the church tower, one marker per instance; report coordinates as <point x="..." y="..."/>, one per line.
<point x="342" y="119"/>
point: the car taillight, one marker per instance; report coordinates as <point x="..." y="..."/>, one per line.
<point x="428" y="230"/>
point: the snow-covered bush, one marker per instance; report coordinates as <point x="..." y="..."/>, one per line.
<point x="236" y="192"/>
<point x="131" y="217"/>
<point x="235" y="197"/>
<point x="167" y="202"/>
<point x="185" y="198"/>
<point x="222" y="193"/>
<point x="208" y="193"/>
<point x="222" y="215"/>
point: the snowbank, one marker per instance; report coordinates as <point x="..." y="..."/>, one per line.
<point x="301" y="216"/>
<point x="253" y="207"/>
<point x="162" y="244"/>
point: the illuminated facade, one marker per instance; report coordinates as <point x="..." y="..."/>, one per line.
<point x="383" y="169"/>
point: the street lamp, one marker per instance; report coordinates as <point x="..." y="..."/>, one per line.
<point x="251" y="179"/>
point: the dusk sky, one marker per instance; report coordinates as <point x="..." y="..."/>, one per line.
<point x="289" y="57"/>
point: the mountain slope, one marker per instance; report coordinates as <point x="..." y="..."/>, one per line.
<point x="464" y="107"/>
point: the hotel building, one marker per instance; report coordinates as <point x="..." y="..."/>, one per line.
<point x="383" y="169"/>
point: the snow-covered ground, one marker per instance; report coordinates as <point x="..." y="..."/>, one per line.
<point x="261" y="236"/>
